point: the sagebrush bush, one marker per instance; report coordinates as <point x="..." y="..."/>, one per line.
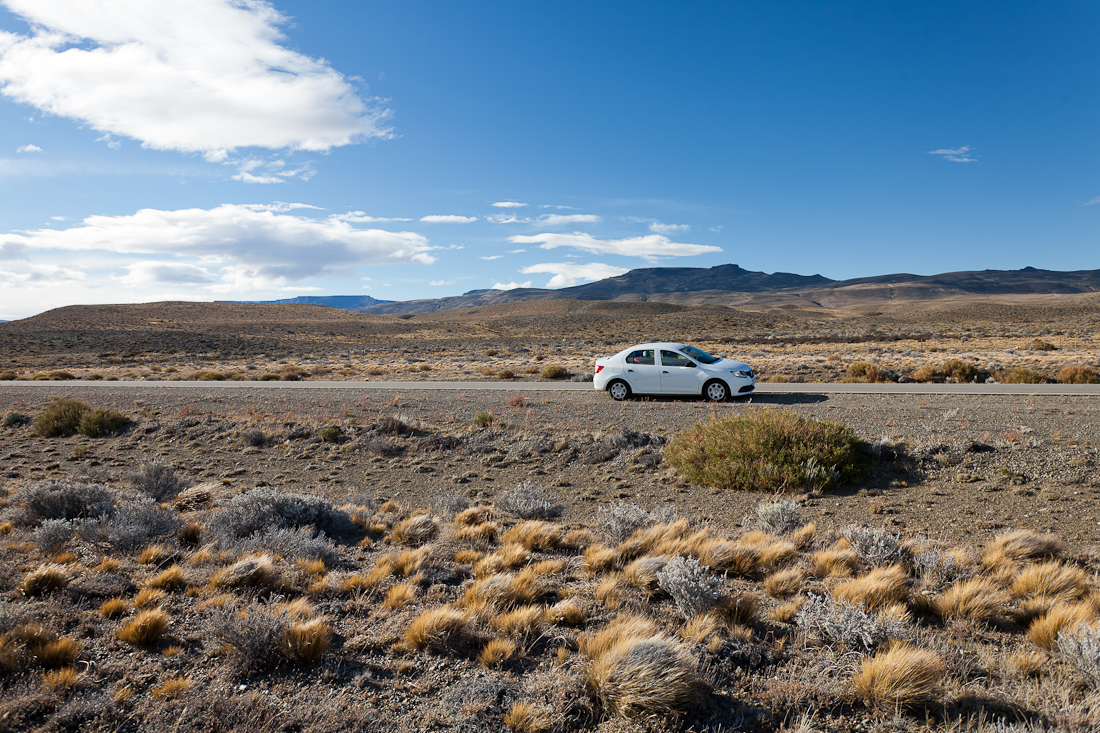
<point x="13" y="419"/>
<point x="1020" y="375"/>
<point x="330" y="434"/>
<point x="261" y="508"/>
<point x="52" y="535"/>
<point x="60" y="417"/>
<point x="295" y="543"/>
<point x="865" y="371"/>
<point x="101" y="421"/>
<point x="779" y="517"/>
<point x="1081" y="648"/>
<point x="158" y="480"/>
<point x="134" y="524"/>
<point x="842" y="624"/>
<point x="767" y="450"/>
<point x="693" y="589"/>
<point x="252" y="634"/>
<point x="619" y="520"/>
<point x="876" y="546"/>
<point x="63" y="500"/>
<point x="529" y="502"/>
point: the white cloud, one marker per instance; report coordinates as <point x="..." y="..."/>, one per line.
<point x="358" y="217"/>
<point x="552" y="206"/>
<point x="28" y="149"/>
<point x="173" y="273"/>
<point x="509" y="205"/>
<point x="955" y="155"/>
<point x="659" y="227"/>
<point x="115" y="144"/>
<point x="41" y="274"/>
<point x="448" y="219"/>
<point x="437" y="283"/>
<point x="58" y="218"/>
<point x="205" y="76"/>
<point x="567" y="274"/>
<point x="254" y="248"/>
<point x="649" y="246"/>
<point x="510" y="286"/>
<point x="717" y="229"/>
<point x="507" y="219"/>
<point x="553" y="220"/>
<point x="273" y="171"/>
<point x="492" y="257"/>
<point x="516" y="251"/>
<point x="1092" y="202"/>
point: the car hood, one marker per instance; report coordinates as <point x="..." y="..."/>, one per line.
<point x="730" y="364"/>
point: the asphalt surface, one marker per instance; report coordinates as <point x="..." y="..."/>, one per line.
<point x="1082" y="390"/>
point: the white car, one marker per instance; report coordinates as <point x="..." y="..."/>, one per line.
<point x="671" y="368"/>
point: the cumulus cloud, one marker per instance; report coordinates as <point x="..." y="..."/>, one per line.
<point x="173" y="273"/>
<point x="437" y="283"/>
<point x="507" y="219"/>
<point x="28" y="149"/>
<point x="649" y="246"/>
<point x="252" y="248"/>
<point x="660" y="227"/>
<point x="567" y="274"/>
<point x="511" y="286"/>
<point x="955" y="155"/>
<point x="1093" y="201"/>
<point x="448" y="219"/>
<point x="32" y="274"/>
<point x="509" y="205"/>
<point x="492" y="257"/>
<point x="205" y="76"/>
<point x="553" y="206"/>
<point x="553" y="220"/>
<point x="270" y="171"/>
<point x="358" y="217"/>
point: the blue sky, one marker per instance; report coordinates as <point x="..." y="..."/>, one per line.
<point x="246" y="150"/>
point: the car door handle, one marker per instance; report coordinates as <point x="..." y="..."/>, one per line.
<point x="630" y="370"/>
<point x="664" y="372"/>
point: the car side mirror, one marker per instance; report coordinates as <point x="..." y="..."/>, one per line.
<point x="690" y="365"/>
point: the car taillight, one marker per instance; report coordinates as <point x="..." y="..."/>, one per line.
<point x="599" y="368"/>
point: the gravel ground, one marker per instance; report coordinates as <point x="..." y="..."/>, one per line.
<point x="972" y="466"/>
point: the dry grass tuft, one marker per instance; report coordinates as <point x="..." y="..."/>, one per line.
<point x="599" y="559"/>
<point x="468" y="557"/>
<point x="634" y="674"/>
<point x="523" y="717"/>
<point x="1021" y="545"/>
<point x="566" y="612"/>
<point x="1051" y="580"/>
<point x="399" y="595"/>
<point x="154" y="555"/>
<point x="1029" y="664"/>
<point x="409" y="561"/>
<point x="739" y="610"/>
<point x="146" y="628"/>
<point x="877" y="589"/>
<point x="506" y="558"/>
<point x="701" y="629"/>
<point x="642" y="573"/>
<point x="415" y="530"/>
<point x="835" y="563"/>
<point x="45" y="579"/>
<point x="979" y="600"/>
<point x="472" y="515"/>
<point x="316" y="568"/>
<point x="304" y="642"/>
<point x="521" y="623"/>
<point x="1043" y="631"/>
<point x="497" y="652"/>
<point x="484" y="532"/>
<point x="787" y="612"/>
<point x="170" y="579"/>
<point x="900" y="678"/>
<point x="437" y="629"/>
<point x="254" y="571"/>
<point x="609" y="592"/>
<point x="59" y="680"/>
<point x="784" y="583"/>
<point x="149" y="597"/>
<point x="535" y="535"/>
<point x="730" y="557"/>
<point x="116" y="607"/>
<point x="173" y="688"/>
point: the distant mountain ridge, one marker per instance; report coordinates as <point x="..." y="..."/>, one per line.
<point x="732" y="285"/>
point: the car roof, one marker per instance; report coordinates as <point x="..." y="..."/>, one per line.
<point x="657" y="345"/>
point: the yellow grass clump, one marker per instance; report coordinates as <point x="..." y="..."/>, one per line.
<point x="902" y="677"/>
<point x="506" y="558"/>
<point x="1051" y="580"/>
<point x="523" y="717"/>
<point x="979" y="599"/>
<point x="437" y="629"/>
<point x="535" y="535"/>
<point x="170" y="579"/>
<point x="44" y="579"/>
<point x="730" y="557"/>
<point x="1021" y="545"/>
<point x="497" y="652"/>
<point x="59" y="680"/>
<point x="836" y="562"/>
<point x="173" y="688"/>
<point x="415" y="530"/>
<point x="154" y="555"/>
<point x="114" y="608"/>
<point x="149" y="597"/>
<point x="879" y="588"/>
<point x="566" y="612"/>
<point x="784" y="583"/>
<point x="146" y="628"/>
<point x="599" y="559"/>
<point x="521" y="623"/>
<point x="484" y="532"/>
<point x="254" y="571"/>
<point x="304" y="642"/>
<point x="471" y="516"/>
<point x="642" y="573"/>
<point x="399" y="595"/>
<point x="1043" y="631"/>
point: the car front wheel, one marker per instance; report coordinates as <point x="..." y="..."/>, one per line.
<point x="619" y="390"/>
<point x="716" y="391"/>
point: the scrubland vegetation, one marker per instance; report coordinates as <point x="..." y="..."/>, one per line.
<point x="150" y="602"/>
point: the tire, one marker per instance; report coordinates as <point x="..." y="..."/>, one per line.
<point x="716" y="391"/>
<point x="619" y="390"/>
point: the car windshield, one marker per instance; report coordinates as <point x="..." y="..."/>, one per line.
<point x="698" y="354"/>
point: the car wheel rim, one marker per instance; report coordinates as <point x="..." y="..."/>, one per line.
<point x="716" y="392"/>
<point x="618" y="391"/>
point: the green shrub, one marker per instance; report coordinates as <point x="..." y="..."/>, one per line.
<point x="59" y="376"/>
<point x="269" y="377"/>
<point x="554" y="371"/>
<point x="483" y="420"/>
<point x="864" y="371"/>
<point x="767" y="450"/>
<point x="14" y="419"/>
<point x="506" y="374"/>
<point x="1078" y="375"/>
<point x="955" y="369"/>
<point x="207" y="376"/>
<point x="102" y="421"/>
<point x="1021" y="375"/>
<point x="9" y="375"/>
<point x="329" y="435"/>
<point x="1040" y="345"/>
<point x="95" y="377"/>
<point x="61" y="417"/>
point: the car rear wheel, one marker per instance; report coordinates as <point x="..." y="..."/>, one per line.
<point x="716" y="391"/>
<point x="619" y="390"/>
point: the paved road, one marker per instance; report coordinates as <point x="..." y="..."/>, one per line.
<point x="1084" y="390"/>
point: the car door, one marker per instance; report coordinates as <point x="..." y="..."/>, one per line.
<point x="641" y="371"/>
<point x="679" y="374"/>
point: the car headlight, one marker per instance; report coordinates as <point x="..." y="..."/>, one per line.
<point x="742" y="373"/>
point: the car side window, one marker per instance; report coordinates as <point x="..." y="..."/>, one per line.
<point x="642" y="357"/>
<point x="671" y="358"/>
